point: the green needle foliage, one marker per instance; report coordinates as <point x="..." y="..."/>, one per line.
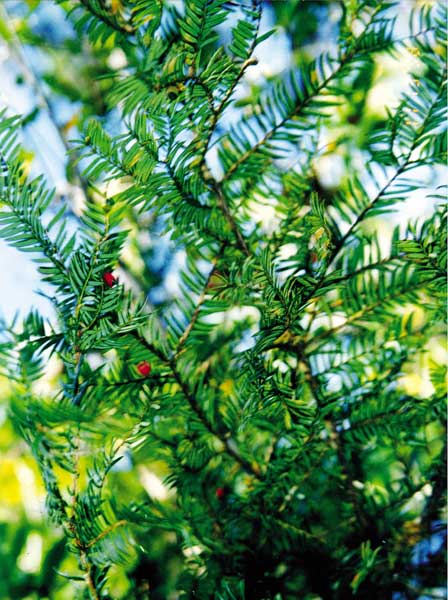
<point x="269" y="394"/>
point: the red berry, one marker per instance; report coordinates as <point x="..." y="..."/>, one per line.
<point x="144" y="368"/>
<point x="109" y="279"/>
<point x="220" y="492"/>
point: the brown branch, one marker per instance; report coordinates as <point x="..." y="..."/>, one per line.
<point x="228" y="216"/>
<point x="351" y="53"/>
<point x="216" y="112"/>
<point x="106" y="532"/>
<point x="274" y="129"/>
<point x="357" y="315"/>
<point x="199" y="304"/>
<point x="85" y="563"/>
<point x="335" y="436"/>
<point x="401" y="169"/>
<point x="228" y="443"/>
<point x="123" y="28"/>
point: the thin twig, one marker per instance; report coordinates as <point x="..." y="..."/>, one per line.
<point x="85" y="563"/>
<point x="216" y="112"/>
<point x="106" y="532"/>
<point x="343" y="61"/>
<point x="199" y="303"/>
<point x="123" y="28"/>
<point x="229" y="217"/>
<point x="228" y="443"/>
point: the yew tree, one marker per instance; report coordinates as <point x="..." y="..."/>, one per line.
<point x="240" y="296"/>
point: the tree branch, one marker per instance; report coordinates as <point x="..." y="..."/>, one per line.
<point x="228" y="443"/>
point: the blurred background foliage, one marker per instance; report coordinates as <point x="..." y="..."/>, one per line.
<point x="62" y="80"/>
